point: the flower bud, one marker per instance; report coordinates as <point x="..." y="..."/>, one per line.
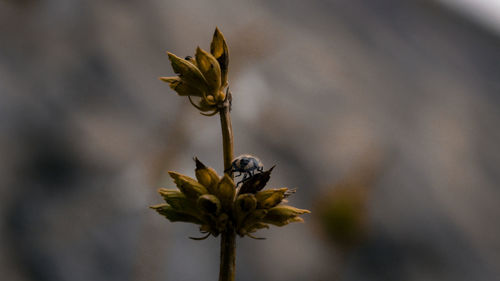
<point x="190" y="187"/>
<point x="244" y="204"/>
<point x="270" y="197"/>
<point x="209" y="204"/>
<point x="206" y="176"/>
<point x="225" y="191"/>
<point x="179" y="201"/>
<point x="283" y="215"/>
<point x="173" y="215"/>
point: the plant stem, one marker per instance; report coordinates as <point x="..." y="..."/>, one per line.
<point x="228" y="237"/>
<point x="227" y="255"/>
<point x="227" y="133"/>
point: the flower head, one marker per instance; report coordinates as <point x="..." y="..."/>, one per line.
<point x="216" y="203"/>
<point x="203" y="77"/>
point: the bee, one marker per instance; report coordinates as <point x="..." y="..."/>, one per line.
<point x="247" y="165"/>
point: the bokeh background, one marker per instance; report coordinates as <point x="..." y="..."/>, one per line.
<point x="384" y="114"/>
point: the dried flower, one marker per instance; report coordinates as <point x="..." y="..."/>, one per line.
<point x="215" y="203"/>
<point x="203" y="77"/>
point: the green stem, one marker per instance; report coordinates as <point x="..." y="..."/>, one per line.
<point x="228" y="237"/>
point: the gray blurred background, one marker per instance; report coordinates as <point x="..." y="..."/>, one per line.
<point x="384" y="114"/>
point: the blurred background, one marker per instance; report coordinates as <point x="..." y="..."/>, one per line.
<point x="383" y="114"/>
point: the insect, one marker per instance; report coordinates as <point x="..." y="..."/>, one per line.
<point x="246" y="165"/>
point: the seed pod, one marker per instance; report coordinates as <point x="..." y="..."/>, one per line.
<point x="219" y="50"/>
<point x="206" y="176"/>
<point x="210" y="69"/>
<point x="190" y="187"/>
<point x="209" y="204"/>
<point x="225" y="191"/>
<point x="270" y="197"/>
<point x="244" y="205"/>
<point x="173" y="215"/>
